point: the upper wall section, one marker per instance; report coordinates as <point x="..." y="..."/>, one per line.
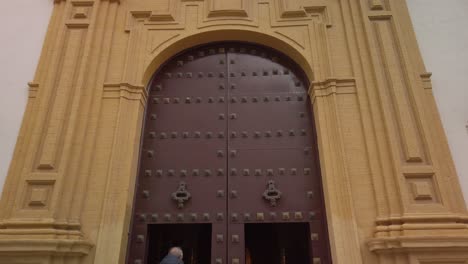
<point x="22" y="40"/>
<point x="444" y="48"/>
<point x="175" y="25"/>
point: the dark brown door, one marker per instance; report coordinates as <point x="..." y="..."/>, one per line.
<point x="229" y="153"/>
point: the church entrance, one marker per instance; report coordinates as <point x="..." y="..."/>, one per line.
<point x="229" y="165"/>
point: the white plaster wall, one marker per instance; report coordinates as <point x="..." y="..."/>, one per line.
<point x="442" y="31"/>
<point x="24" y="24"/>
<point x="440" y="27"/>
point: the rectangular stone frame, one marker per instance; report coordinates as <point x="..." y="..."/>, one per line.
<point x="391" y="191"/>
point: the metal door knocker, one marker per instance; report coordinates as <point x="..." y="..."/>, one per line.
<point x="271" y="193"/>
<point x="181" y="195"/>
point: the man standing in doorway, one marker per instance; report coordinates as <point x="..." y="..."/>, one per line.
<point x="174" y="256"/>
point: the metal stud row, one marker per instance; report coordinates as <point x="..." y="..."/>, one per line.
<point x="267" y="172"/>
<point x="187" y="100"/>
<point x="232" y="100"/>
<point x="232" y="134"/>
<point x="188" y="75"/>
<point x="220" y="172"/>
<point x="260" y="73"/>
<point x="180" y="217"/>
<point x="235" y="217"/>
<point x="184" y="172"/>
<point x="268" y="133"/>
<point x="266" y="99"/>
<point x="261" y="216"/>
<point x="186" y="134"/>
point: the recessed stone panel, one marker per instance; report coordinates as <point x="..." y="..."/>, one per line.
<point x="421" y="189"/>
<point x="38" y="194"/>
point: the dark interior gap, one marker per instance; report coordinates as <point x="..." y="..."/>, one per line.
<point x="194" y="239"/>
<point x="277" y="243"/>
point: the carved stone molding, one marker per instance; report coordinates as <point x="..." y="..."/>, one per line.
<point x="419" y="244"/>
<point x="125" y="90"/>
<point x="56" y="247"/>
<point x="291" y="10"/>
<point x="223" y="8"/>
<point x="332" y="86"/>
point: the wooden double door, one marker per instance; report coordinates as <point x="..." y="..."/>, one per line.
<point x="229" y="168"/>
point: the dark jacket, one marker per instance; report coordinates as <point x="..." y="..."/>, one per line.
<point x="171" y="259"/>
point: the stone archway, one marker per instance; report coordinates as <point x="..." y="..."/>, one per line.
<point x="222" y="121"/>
<point x="336" y="187"/>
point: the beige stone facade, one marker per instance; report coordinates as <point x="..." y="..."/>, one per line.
<point x="391" y="192"/>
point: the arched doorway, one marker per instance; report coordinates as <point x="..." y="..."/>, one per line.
<point x="229" y="165"/>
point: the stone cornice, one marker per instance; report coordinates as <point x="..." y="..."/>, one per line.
<point x="125" y="90"/>
<point x="418" y="243"/>
<point x="329" y="86"/>
<point x="62" y="247"/>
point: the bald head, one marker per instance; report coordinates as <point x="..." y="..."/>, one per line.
<point x="176" y="251"/>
